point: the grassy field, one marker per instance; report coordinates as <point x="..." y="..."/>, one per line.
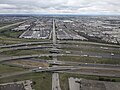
<point x="45" y="58"/>
<point x="8" y="23"/>
<point x="22" y="52"/>
<point x="7" y="32"/>
<point x="9" y="69"/>
<point x="89" y="60"/>
<point x="11" y="34"/>
<point x="29" y="63"/>
<point x="4" y="23"/>
<point x="7" y="41"/>
<point x="43" y="81"/>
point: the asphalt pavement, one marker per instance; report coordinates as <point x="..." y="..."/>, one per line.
<point x="55" y="82"/>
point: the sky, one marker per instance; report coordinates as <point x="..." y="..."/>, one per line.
<point x="59" y="6"/>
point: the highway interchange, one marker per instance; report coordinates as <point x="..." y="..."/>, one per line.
<point x="53" y="45"/>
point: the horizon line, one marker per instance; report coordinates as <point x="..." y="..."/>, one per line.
<point x="58" y="14"/>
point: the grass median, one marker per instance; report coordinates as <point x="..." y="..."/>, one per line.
<point x="87" y="59"/>
<point x="22" y="52"/>
<point x="9" y="69"/>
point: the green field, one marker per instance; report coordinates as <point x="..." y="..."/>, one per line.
<point x="89" y="59"/>
<point x="22" y="52"/>
<point x="6" y="31"/>
<point x="42" y="81"/>
<point x="7" y="41"/>
<point x="11" y="34"/>
<point x="8" y="23"/>
<point x="9" y="69"/>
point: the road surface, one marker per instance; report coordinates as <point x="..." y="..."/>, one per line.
<point x="54" y="33"/>
<point x="10" y="25"/>
<point x="55" y="82"/>
<point x="23" y="44"/>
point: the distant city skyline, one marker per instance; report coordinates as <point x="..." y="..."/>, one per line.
<point x="107" y="7"/>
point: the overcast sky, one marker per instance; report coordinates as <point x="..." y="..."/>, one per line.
<point x="60" y="6"/>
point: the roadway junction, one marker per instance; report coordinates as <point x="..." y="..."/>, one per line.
<point x="72" y="57"/>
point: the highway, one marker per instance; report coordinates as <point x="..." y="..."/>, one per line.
<point x="77" y="64"/>
<point x="62" y="69"/>
<point x="24" y="44"/>
<point x="39" y="55"/>
<point x="27" y="56"/>
<point x="73" y="52"/>
<point x="103" y="54"/>
<point x="60" y="42"/>
<point x="37" y="70"/>
<point x="89" y="43"/>
<point x="111" y="72"/>
<point x="55" y="82"/>
<point x="54" y="33"/>
<point x="95" y="54"/>
<point x="26" y="48"/>
<point x="10" y="25"/>
<point x="80" y="64"/>
<point x="70" y="69"/>
<point x="55" y="68"/>
<point x="55" y="76"/>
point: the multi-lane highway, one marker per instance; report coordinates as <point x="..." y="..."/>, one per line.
<point x="27" y="56"/>
<point x="24" y="44"/>
<point x="25" y="48"/>
<point x="70" y="69"/>
<point x="63" y="69"/>
<point x="60" y="42"/>
<point x="73" y="52"/>
<point x="104" y="51"/>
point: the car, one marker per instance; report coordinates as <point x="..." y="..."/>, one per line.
<point x="112" y="54"/>
<point x="85" y="55"/>
<point x="67" y="52"/>
<point x="40" y="67"/>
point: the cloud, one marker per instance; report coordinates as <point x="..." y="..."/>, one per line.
<point x="60" y="6"/>
<point x="7" y="6"/>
